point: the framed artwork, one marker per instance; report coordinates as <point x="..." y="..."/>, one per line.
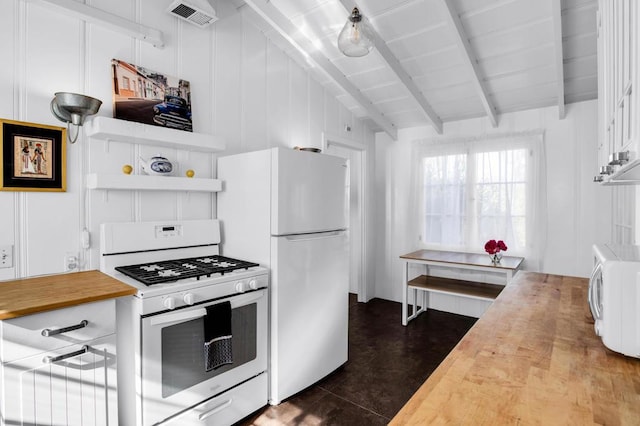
<point x="32" y="157"/>
<point x="150" y="97"/>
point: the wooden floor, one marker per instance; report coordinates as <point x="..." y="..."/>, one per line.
<point x="387" y="364"/>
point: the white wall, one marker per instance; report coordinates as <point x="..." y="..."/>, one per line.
<point x="579" y="211"/>
<point x="244" y="89"/>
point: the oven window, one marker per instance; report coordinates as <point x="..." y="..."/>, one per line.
<point x="183" y="355"/>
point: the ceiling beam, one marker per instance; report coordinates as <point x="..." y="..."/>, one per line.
<point x="400" y="72"/>
<point x="290" y="32"/>
<point x="470" y="60"/>
<point x="100" y="17"/>
<point x="559" y="55"/>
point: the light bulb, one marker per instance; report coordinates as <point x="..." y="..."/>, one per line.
<point x="356" y="38"/>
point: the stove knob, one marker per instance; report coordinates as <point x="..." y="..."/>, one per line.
<point x="253" y="284"/>
<point x="169" y="303"/>
<point x="189" y="299"/>
<point x="240" y="288"/>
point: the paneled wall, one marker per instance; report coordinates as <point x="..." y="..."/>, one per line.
<point x="579" y="211"/>
<point x="244" y="89"/>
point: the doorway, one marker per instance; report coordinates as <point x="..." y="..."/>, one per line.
<point x="355" y="155"/>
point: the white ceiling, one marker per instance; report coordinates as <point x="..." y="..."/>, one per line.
<point x="443" y="60"/>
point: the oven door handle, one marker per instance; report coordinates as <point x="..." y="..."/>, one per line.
<point x="182" y="316"/>
<point x="191" y="314"/>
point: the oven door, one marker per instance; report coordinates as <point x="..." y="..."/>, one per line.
<point x="174" y="377"/>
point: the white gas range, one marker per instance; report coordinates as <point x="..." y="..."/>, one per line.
<point x="174" y="365"/>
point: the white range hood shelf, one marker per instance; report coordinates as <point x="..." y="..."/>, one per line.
<point x="112" y="129"/>
<point x="151" y="183"/>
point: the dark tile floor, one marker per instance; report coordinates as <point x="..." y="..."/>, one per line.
<point x="387" y="364"/>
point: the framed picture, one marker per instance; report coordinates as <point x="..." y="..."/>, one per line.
<point x="32" y="157"/>
<point x="150" y="97"/>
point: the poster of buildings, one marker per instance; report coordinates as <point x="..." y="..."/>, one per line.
<point x="149" y="97"/>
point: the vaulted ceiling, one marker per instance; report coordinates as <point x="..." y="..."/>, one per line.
<point x="443" y="60"/>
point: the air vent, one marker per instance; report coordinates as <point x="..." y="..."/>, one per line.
<point x="197" y="12"/>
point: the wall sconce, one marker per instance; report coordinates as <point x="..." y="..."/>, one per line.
<point x="72" y="108"/>
<point x="356" y="37"/>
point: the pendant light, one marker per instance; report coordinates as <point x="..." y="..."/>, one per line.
<point x="356" y="37"/>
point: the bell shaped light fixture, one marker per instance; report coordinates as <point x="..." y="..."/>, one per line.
<point x="72" y="108"/>
<point x="356" y="37"/>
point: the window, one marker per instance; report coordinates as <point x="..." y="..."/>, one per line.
<point x="473" y="191"/>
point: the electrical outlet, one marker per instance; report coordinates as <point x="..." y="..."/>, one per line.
<point x="6" y="256"/>
<point x="71" y="261"/>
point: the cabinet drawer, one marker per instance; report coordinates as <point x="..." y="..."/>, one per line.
<point x="227" y="408"/>
<point x="22" y="337"/>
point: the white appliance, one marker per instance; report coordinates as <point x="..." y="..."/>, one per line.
<point x="614" y="297"/>
<point x="287" y="210"/>
<point x="163" y="377"/>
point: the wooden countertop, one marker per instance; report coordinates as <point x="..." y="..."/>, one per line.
<point x="460" y="258"/>
<point x="532" y="358"/>
<point x="32" y="295"/>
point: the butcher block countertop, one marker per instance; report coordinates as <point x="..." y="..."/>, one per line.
<point x="531" y="359"/>
<point x="32" y="295"/>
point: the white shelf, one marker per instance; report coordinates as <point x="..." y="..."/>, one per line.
<point x="132" y="132"/>
<point x="151" y="183"/>
<point x="629" y="174"/>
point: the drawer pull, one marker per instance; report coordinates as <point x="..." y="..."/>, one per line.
<point x="48" y="332"/>
<point x="52" y="359"/>
<point x="215" y="410"/>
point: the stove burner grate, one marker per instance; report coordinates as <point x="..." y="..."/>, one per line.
<point x="172" y="270"/>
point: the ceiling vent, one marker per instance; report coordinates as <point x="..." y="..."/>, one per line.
<point x="198" y="12"/>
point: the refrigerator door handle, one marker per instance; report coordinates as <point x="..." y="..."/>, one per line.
<point x="314" y="236"/>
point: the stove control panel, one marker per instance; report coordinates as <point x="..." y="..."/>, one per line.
<point x="202" y="291"/>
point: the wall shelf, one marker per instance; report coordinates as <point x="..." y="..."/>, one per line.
<point x="629" y="174"/>
<point x="151" y="183"/>
<point x="128" y="131"/>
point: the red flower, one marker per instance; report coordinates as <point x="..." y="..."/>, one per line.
<point x="491" y="247"/>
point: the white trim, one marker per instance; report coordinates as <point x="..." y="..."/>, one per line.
<point x="329" y="139"/>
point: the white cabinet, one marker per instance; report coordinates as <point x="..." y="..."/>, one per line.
<point x="59" y="367"/>
<point x="617" y="91"/>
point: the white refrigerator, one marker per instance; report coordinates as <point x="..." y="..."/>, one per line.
<point x="287" y="210"/>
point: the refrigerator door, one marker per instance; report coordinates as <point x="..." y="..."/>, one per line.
<point x="309" y="315"/>
<point x="308" y="192"/>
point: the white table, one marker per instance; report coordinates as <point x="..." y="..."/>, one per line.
<point x="458" y="260"/>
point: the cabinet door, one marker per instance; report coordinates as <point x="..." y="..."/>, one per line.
<point x="74" y="385"/>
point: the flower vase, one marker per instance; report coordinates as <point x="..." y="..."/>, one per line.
<point x="495" y="258"/>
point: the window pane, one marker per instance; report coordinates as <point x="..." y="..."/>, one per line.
<point x="500" y="194"/>
<point x="444" y="195"/>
